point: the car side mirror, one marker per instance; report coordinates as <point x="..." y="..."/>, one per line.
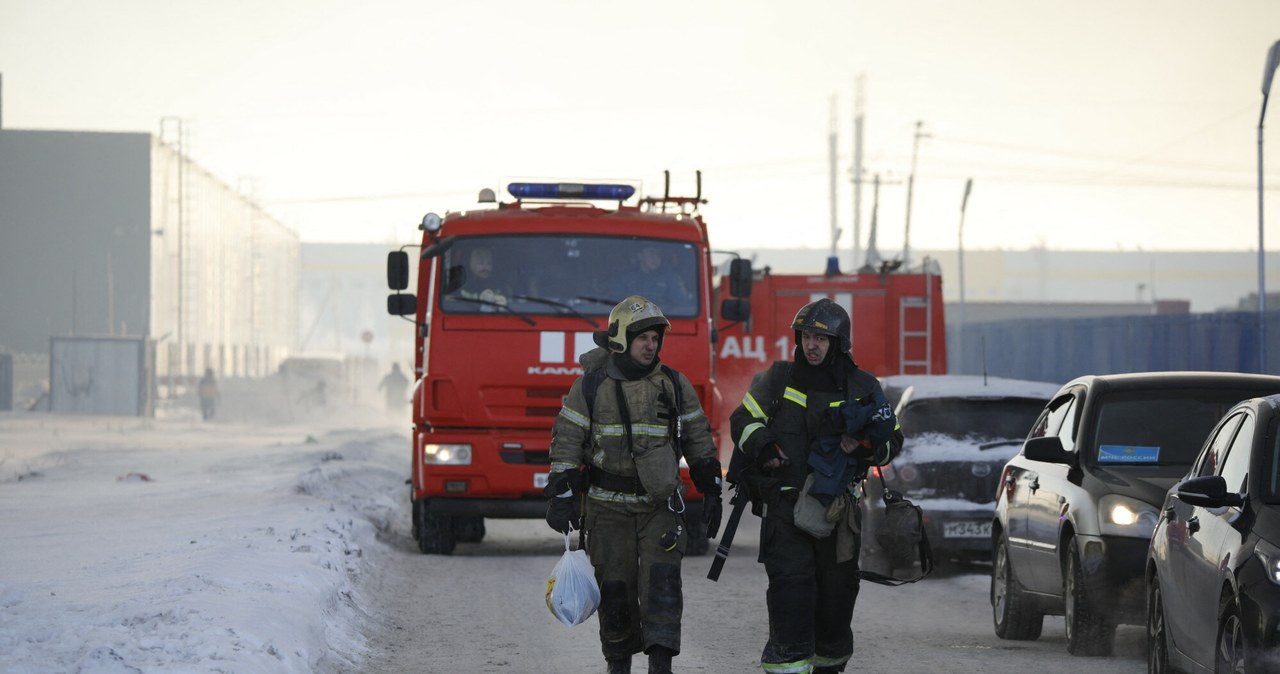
<point x="740" y="276"/>
<point x="735" y="310"/>
<point x="1209" y="491"/>
<point x="1047" y="449"/>
<point x="397" y="270"/>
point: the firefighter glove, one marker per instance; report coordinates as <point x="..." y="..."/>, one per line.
<point x="770" y="452"/>
<point x="706" y="476"/>
<point x="565" y="482"/>
<point x="711" y="511"/>
<point x="564" y="514"/>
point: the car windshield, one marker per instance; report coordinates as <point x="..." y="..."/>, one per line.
<point x="531" y="274"/>
<point x="1165" y="428"/>
<point x="978" y="418"/>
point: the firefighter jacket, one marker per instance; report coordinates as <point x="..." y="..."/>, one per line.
<point x="638" y="476"/>
<point x="774" y="411"/>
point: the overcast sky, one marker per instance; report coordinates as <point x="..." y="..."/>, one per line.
<point x="1086" y="124"/>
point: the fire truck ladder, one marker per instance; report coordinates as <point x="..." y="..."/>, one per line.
<point x="915" y="341"/>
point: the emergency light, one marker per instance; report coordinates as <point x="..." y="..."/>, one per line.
<point x="570" y="191"/>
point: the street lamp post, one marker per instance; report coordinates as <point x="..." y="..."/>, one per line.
<point x="1268" y="72"/>
<point x="968" y="187"/>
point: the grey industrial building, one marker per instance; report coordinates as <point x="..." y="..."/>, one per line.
<point x="120" y="235"/>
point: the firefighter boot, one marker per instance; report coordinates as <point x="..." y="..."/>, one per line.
<point x="660" y="660"/>
<point x="619" y="665"/>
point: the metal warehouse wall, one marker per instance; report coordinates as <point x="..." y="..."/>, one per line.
<point x="74" y="235"/>
<point x="119" y="234"/>
<point x="226" y="276"/>
<point x="1057" y="350"/>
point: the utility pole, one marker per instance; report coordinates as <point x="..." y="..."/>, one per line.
<point x="833" y="262"/>
<point x="857" y="172"/>
<point x="968" y="187"/>
<point x="873" y="255"/>
<point x="911" y="183"/>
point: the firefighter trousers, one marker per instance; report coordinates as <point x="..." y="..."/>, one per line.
<point x="641" y="599"/>
<point x="810" y="599"/>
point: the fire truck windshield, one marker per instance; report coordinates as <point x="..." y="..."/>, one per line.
<point x="563" y="275"/>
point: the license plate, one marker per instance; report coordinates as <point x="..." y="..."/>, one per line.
<point x="540" y="481"/>
<point x="969" y="529"/>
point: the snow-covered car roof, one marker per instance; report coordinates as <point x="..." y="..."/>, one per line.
<point x="993" y="393"/>
<point x="969" y="386"/>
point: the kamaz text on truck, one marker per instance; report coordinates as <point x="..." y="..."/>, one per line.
<point x="508" y="296"/>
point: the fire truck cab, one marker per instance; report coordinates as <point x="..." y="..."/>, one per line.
<point x="508" y="297"/>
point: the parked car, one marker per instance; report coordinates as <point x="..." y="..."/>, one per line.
<point x="1213" y="569"/>
<point x="960" y="430"/>
<point x="1079" y="503"/>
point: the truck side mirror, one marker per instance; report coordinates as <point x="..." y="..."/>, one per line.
<point x="397" y="270"/>
<point x="735" y="310"/>
<point x="740" y="278"/>
<point x="402" y="304"/>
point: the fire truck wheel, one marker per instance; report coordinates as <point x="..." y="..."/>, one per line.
<point x="419" y="507"/>
<point x="468" y="528"/>
<point x="435" y="534"/>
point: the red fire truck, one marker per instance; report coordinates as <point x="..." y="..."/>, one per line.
<point x="508" y="296"/>
<point x="897" y="323"/>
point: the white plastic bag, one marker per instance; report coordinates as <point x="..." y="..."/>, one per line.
<point x="572" y="593"/>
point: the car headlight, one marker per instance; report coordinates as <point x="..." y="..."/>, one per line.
<point x="1124" y="516"/>
<point x="446" y="455"/>
<point x="1269" y="555"/>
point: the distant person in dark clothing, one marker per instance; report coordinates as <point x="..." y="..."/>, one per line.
<point x="207" y="390"/>
<point x="394" y="384"/>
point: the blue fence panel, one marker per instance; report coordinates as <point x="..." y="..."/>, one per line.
<point x="1057" y="350"/>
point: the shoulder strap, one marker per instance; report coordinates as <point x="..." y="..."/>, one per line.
<point x="779" y="388"/>
<point x="591" y="384"/>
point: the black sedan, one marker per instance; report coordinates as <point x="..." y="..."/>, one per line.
<point x="1078" y="504"/>
<point x="1213" y="569"/>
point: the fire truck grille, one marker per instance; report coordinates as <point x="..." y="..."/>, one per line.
<point x="544" y="401"/>
<point x="530" y="456"/>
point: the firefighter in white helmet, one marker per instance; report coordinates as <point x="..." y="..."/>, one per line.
<point x="615" y="462"/>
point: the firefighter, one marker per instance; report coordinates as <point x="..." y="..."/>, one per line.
<point x="791" y="407"/>
<point x="619" y="437"/>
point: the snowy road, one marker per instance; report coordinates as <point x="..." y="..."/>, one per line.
<point x="287" y="549"/>
<point x="481" y="610"/>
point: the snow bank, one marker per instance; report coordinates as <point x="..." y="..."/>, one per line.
<point x="142" y="545"/>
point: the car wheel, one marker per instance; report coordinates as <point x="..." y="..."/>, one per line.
<point x="435" y="534"/>
<point x="1088" y="630"/>
<point x="1013" y="618"/>
<point x="1157" y="636"/>
<point x="1231" y="651"/>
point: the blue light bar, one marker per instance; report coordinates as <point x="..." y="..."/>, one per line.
<point x="570" y="191"/>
